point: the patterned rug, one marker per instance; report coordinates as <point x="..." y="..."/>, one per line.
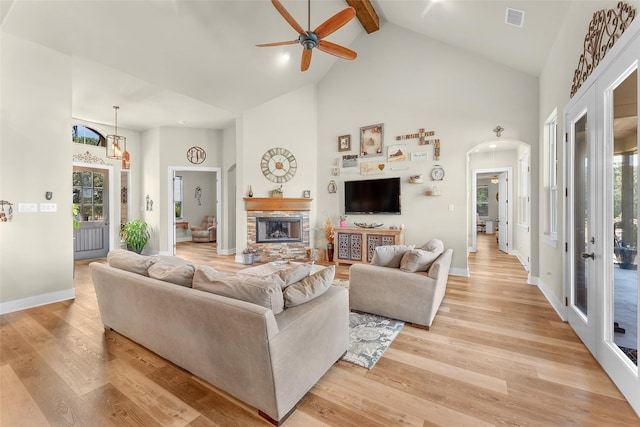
<point x="369" y="337"/>
<point x="631" y="353"/>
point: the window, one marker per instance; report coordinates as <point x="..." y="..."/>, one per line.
<point x="482" y="200"/>
<point x="551" y="130"/>
<point x="88" y="190"/>
<point x="81" y="134"/>
<point x="523" y="194"/>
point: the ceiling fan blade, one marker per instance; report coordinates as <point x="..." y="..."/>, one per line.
<point x="287" y="17"/>
<point x="306" y="59"/>
<point x="296" y="41"/>
<point x="335" y="22"/>
<point x="336" y="50"/>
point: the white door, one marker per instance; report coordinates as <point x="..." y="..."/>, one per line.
<point x="581" y="249"/>
<point x="618" y="93"/>
<point x="503" y="214"/>
<point x="91" y="196"/>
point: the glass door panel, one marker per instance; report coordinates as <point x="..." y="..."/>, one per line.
<point x="580" y="212"/>
<point x="625" y="216"/>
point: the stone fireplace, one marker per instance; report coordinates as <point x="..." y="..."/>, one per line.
<point x="278" y="228"/>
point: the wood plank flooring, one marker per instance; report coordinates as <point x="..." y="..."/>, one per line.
<point x="497" y="354"/>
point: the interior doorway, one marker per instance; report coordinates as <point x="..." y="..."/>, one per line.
<point x="491" y="207"/>
<point x="194" y="193"/>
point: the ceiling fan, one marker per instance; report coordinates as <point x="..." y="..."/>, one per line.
<point x="310" y="39"/>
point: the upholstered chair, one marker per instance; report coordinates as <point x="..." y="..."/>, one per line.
<point x="206" y="232"/>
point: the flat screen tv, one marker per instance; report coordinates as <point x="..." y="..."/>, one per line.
<point x="372" y="196"/>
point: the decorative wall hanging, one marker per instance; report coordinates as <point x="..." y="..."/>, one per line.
<point x="605" y="29"/>
<point x="397" y="153"/>
<point x="498" y="130"/>
<point x="421" y="136"/>
<point x="8" y="216"/>
<point x="344" y="143"/>
<point x="436" y="149"/>
<point x="149" y="206"/>
<point x="371" y="168"/>
<point x="350" y="161"/>
<point x="198" y="195"/>
<point x="419" y="156"/>
<point x="87" y="157"/>
<point x="332" y="187"/>
<point x="278" y="165"/>
<point x="196" y="155"/>
<point x="371" y="140"/>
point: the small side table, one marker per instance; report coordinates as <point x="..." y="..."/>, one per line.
<point x="182" y="224"/>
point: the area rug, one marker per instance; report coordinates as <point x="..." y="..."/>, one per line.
<point x="369" y="337"/>
<point x="631" y="353"/>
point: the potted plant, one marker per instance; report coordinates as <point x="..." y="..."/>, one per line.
<point x="136" y="234"/>
<point x="76" y="211"/>
<point x="277" y="192"/>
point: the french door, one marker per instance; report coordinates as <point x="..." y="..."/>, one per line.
<point x="91" y="196"/>
<point x="582" y="243"/>
<point x="602" y="216"/>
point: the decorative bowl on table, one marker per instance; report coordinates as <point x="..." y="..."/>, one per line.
<point x="365" y="225"/>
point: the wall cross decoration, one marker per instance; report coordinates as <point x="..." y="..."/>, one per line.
<point x="498" y="130"/>
<point x="421" y="135"/>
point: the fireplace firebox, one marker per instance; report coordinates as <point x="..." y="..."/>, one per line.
<point x="278" y="229"/>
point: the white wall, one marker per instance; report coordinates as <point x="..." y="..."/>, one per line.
<point x="289" y="122"/>
<point x="458" y="95"/>
<point x="35" y="157"/>
<point x="194" y="212"/>
<point x="555" y="86"/>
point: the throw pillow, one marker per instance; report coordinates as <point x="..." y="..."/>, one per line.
<point x="264" y="291"/>
<point x="129" y="261"/>
<point x="389" y="256"/>
<point x="433" y="245"/>
<point x="418" y="260"/>
<point x="177" y="274"/>
<point x="309" y="288"/>
<point x="295" y="274"/>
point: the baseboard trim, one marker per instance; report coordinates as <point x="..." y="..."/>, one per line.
<point x="37" y="300"/>
<point x="557" y="305"/>
<point x="464" y="272"/>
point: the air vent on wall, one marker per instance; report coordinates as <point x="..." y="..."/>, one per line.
<point x="514" y="17"/>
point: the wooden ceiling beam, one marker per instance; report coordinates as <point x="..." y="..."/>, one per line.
<point x="366" y="14"/>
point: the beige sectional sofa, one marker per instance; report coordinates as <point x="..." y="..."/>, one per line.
<point x="267" y="360"/>
<point x="405" y="294"/>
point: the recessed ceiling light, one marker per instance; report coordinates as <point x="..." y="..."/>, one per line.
<point x="284" y="58"/>
<point x="182" y="122"/>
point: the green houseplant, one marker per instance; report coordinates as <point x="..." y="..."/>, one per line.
<point x="136" y="234"/>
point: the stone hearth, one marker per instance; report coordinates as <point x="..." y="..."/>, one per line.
<point x="278" y="208"/>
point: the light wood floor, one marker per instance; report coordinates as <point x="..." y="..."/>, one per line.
<point x="497" y="354"/>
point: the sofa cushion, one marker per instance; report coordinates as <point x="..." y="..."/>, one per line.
<point x="390" y="255"/>
<point x="418" y="260"/>
<point x="178" y="274"/>
<point x="130" y="261"/>
<point x="294" y="274"/>
<point x="309" y="288"/>
<point x="433" y="245"/>
<point x="264" y="291"/>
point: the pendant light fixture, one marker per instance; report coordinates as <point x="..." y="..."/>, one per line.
<point x="116" y="144"/>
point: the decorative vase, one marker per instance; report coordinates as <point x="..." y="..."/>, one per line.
<point x="247" y="259"/>
<point x="250" y="192"/>
<point x="341" y="223"/>
<point x="330" y="252"/>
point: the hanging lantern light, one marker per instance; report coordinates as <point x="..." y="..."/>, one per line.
<point x="116" y="144"/>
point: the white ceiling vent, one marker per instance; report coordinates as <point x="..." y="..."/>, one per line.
<point x="514" y="17"/>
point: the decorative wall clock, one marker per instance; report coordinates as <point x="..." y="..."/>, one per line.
<point x="437" y="173"/>
<point x="196" y="155"/>
<point x="278" y="165"/>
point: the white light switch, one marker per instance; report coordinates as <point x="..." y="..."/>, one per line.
<point x="48" y="207"/>
<point x="27" y="207"/>
<point x="450" y="208"/>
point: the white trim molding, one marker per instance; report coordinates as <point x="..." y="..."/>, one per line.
<point x="37" y="300"/>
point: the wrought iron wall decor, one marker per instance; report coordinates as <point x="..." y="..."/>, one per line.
<point x="8" y="216"/>
<point x="605" y="29"/>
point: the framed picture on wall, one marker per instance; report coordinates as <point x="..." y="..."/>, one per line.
<point x="344" y="143"/>
<point x="371" y="138"/>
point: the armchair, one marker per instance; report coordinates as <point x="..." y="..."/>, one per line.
<point x="206" y="232"/>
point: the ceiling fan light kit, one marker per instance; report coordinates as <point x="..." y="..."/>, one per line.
<point x="310" y="39"/>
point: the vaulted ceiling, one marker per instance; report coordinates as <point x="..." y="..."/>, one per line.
<point x="167" y="61"/>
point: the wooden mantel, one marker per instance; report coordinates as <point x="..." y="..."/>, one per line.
<point x="277" y="204"/>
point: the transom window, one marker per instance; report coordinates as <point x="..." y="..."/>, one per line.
<point x="81" y="134"/>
